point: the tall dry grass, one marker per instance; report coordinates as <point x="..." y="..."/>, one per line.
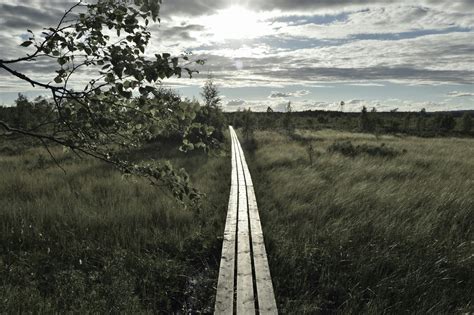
<point x="367" y="234"/>
<point x="92" y="241"/>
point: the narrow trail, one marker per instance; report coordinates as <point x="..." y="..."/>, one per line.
<point x="244" y="285"/>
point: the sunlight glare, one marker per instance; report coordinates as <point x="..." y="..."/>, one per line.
<point x="236" y="23"/>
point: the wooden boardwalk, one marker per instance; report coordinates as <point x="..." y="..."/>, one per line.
<point x="245" y="284"/>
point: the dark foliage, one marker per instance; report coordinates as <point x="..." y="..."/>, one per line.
<point x="422" y="124"/>
<point x="211" y="113"/>
<point x="249" y="124"/>
<point x="466" y="123"/>
<point x="121" y="106"/>
<point x="346" y="148"/>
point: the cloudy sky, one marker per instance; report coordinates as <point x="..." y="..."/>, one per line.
<point x="314" y="53"/>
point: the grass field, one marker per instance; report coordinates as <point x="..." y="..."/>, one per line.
<point x="369" y="233"/>
<point x="91" y="241"/>
<point x="361" y="229"/>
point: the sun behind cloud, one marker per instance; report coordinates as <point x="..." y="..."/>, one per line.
<point x="237" y="23"/>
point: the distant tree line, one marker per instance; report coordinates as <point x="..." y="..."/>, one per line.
<point x="36" y="115"/>
<point x="420" y="123"/>
<point x="28" y="114"/>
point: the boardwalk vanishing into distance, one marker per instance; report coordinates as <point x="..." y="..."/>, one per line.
<point x="245" y="284"/>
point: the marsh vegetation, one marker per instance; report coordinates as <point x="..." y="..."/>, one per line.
<point x="91" y="240"/>
<point x="362" y="212"/>
<point x="358" y="231"/>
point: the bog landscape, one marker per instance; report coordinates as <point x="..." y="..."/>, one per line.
<point x="236" y="157"/>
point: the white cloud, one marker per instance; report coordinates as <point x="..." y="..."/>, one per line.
<point x="460" y="94"/>
<point x="300" y="93"/>
<point x="388" y="19"/>
<point x="244" y="51"/>
<point x="371" y="43"/>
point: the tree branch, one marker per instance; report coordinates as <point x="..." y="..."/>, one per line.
<point x="40" y="48"/>
<point x="52" y="156"/>
<point x="27" y="79"/>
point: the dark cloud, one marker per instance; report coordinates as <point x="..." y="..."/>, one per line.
<point x="279" y="95"/>
<point x="290" y="69"/>
<point x="372" y="73"/>
<point x="178" y="32"/>
<point x="23" y="17"/>
<point x="191" y="8"/>
<point x="331" y="4"/>
<point x="299" y="93"/>
<point x="206" y="7"/>
<point x="42" y="68"/>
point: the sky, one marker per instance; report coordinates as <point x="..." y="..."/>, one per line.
<point x="404" y="55"/>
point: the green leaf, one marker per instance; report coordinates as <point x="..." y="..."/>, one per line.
<point x="58" y="79"/>
<point x="62" y="60"/>
<point x="142" y="90"/>
<point x="109" y="78"/>
<point x="175" y="62"/>
<point x="27" y="43"/>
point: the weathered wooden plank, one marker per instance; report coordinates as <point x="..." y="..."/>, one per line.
<point x="265" y="293"/>
<point x="234" y="178"/>
<point x="225" y="285"/>
<point x="245" y="293"/>
<point x="243" y="232"/>
<point x="248" y="178"/>
<point x="240" y="170"/>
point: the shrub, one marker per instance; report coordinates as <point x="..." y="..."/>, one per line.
<point x="212" y="110"/>
<point x="249" y="124"/>
<point x="322" y="119"/>
<point x="343" y="147"/>
<point x="288" y="122"/>
<point x="466" y="123"/>
<point x="346" y="148"/>
<point x="310" y="151"/>
<point x="40" y="162"/>
<point x="250" y="145"/>
<point x="443" y="122"/>
<point x="365" y="122"/>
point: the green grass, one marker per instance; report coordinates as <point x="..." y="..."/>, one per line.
<point x="92" y="241"/>
<point x="364" y="233"/>
<point x="367" y="234"/>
